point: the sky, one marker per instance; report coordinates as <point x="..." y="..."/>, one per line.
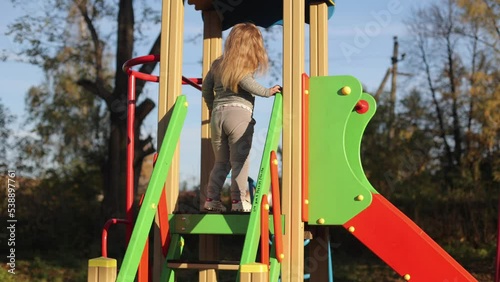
<point x="360" y="40"/>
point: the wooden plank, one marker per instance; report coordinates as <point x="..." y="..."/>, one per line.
<point x="218" y="265"/>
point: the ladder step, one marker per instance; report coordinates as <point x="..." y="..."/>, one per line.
<point x="220" y="224"/>
<point x="218" y="265"/>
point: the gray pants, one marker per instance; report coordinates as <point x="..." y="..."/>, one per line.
<point x="232" y="132"/>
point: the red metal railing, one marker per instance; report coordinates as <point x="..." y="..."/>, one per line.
<point x="104" y="237"/>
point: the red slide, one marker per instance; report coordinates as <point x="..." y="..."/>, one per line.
<point x="405" y="247"/>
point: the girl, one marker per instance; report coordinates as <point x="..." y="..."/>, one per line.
<point x="231" y="122"/>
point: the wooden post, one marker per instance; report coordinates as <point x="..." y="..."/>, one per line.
<point x="102" y="270"/>
<point x="318" y="33"/>
<point x="212" y="49"/>
<point x="254" y="272"/>
<point x="293" y="67"/>
<point x="172" y="41"/>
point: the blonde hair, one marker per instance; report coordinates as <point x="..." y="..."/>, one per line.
<point x="244" y="54"/>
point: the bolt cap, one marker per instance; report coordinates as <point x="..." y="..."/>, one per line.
<point x="362" y="107"/>
<point x="346" y="90"/>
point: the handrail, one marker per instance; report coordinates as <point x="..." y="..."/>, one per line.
<point x="153" y="192"/>
<point x="127" y="68"/>
<point x="252" y="236"/>
<point x="131" y="106"/>
<point x="195" y="82"/>
<point x="104" y="236"/>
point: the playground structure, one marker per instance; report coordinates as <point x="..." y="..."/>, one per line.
<point x="321" y="120"/>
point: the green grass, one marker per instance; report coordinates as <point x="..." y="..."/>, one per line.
<point x="352" y="262"/>
<point x="46" y="270"/>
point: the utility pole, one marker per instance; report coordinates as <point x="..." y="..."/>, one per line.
<point x="392" y="103"/>
<point x="382" y="84"/>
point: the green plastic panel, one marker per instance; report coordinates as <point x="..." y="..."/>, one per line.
<point x="252" y="236"/>
<point x="354" y="133"/>
<point x="174" y="252"/>
<point x="152" y="197"/>
<point x="274" y="264"/>
<point x="334" y="189"/>
<point x="230" y="224"/>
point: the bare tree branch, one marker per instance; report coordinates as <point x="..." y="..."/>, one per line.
<point x="124" y="45"/>
<point x="143" y="110"/>
<point x="493" y="17"/>
<point x="148" y="68"/>
<point x="98" y="44"/>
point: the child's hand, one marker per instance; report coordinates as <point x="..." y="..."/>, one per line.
<point x="275" y="89"/>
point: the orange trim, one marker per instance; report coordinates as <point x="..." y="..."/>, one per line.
<point x="305" y="147"/>
<point x="275" y="190"/>
<point x="143" y="270"/>
<point x="163" y="218"/>
<point x="164" y="224"/>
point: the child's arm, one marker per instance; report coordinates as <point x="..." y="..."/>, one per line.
<point x="207" y="90"/>
<point x="253" y="87"/>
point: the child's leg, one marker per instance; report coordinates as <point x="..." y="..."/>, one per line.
<point x="240" y="143"/>
<point x="221" y="151"/>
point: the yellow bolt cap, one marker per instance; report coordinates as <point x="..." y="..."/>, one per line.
<point x="153" y="206"/>
<point x="266" y="207"/>
<point x="186" y="104"/>
<point x="360" y="198"/>
<point x="282" y="256"/>
<point x="275" y="162"/>
<point x="306" y="92"/>
<point x="346" y="90"/>
<point x="306" y="202"/>
<point x="351" y="229"/>
<point x="321" y="221"/>
<point x="407" y="277"/>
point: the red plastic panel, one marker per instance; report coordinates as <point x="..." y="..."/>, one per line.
<point x="403" y="245"/>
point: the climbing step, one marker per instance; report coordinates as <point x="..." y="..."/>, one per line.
<point x="217" y="265"/>
<point x="221" y="224"/>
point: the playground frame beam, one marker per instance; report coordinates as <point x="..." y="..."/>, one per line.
<point x="212" y="49"/>
<point x="318" y="48"/>
<point x="293" y="67"/>
<point x="172" y="44"/>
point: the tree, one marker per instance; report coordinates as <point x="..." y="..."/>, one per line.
<point x="454" y="54"/>
<point x="80" y="110"/>
<point x="5" y="132"/>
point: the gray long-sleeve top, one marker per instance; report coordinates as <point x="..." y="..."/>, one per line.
<point x="215" y="95"/>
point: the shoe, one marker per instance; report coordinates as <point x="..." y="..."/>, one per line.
<point x="213" y="205"/>
<point x="241" y="206"/>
